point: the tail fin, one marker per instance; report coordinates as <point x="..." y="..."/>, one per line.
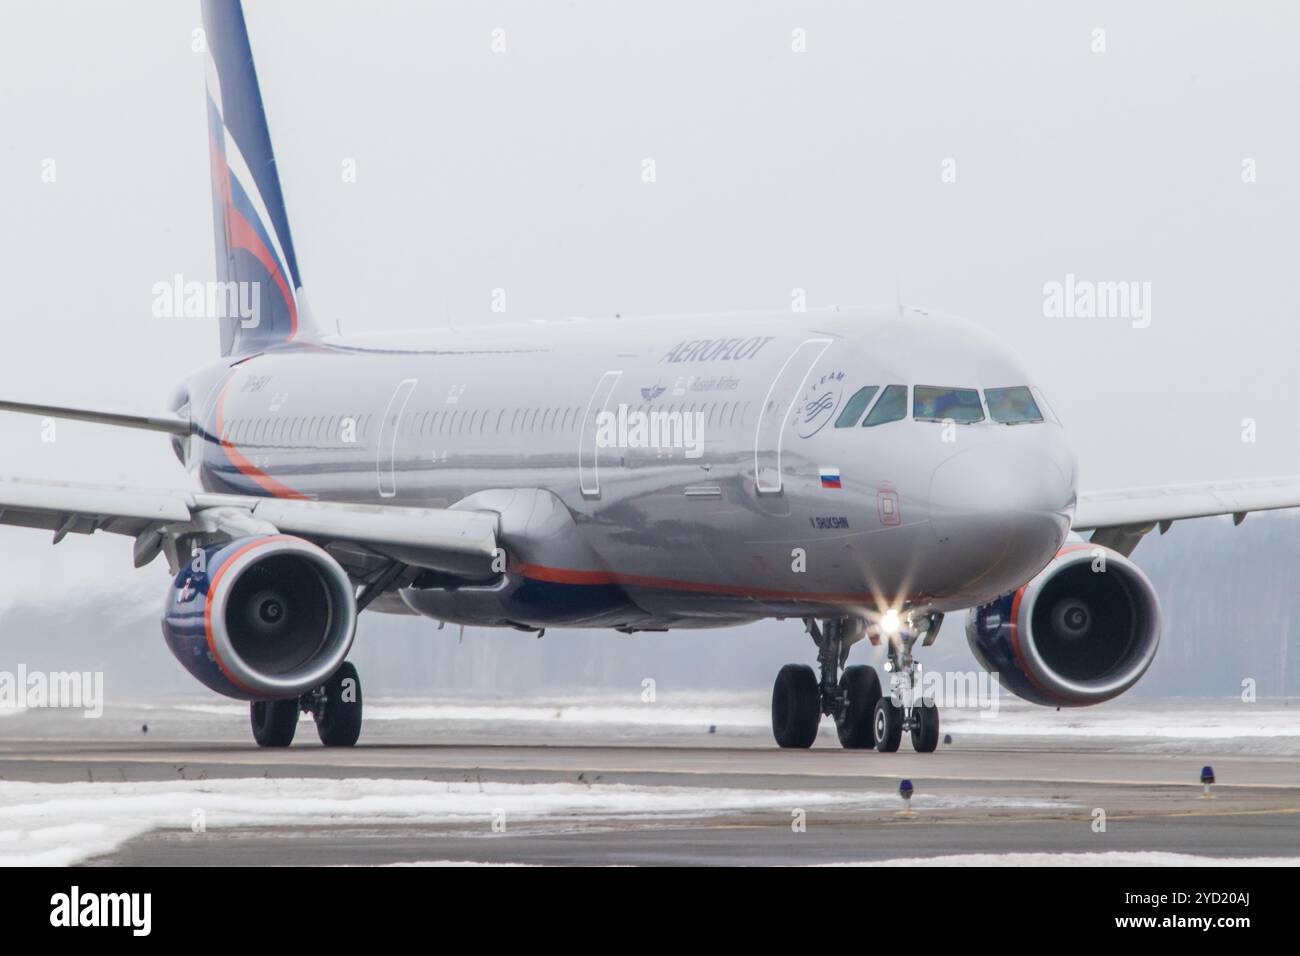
<point x="252" y="228"/>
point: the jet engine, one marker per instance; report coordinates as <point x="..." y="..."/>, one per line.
<point x="1081" y="632"/>
<point x="261" y="618"/>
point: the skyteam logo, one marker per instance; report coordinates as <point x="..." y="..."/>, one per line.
<point x="818" y="404"/>
<point x="662" y="431"/>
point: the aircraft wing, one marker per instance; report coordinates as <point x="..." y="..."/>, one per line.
<point x="1118" y="519"/>
<point x="171" y="424"/>
<point x="433" y="537"/>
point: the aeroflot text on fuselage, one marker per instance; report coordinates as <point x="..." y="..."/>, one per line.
<point x="722" y="350"/>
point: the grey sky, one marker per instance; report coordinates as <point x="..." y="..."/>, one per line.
<point x="775" y="170"/>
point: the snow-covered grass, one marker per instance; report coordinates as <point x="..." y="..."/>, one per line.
<point x="62" y="823"/>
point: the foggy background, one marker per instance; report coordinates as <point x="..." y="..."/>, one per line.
<point x="776" y="170"/>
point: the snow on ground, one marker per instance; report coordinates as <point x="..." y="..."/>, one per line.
<point x="1167" y="719"/>
<point x="57" y="824"/>
<point x="601" y="712"/>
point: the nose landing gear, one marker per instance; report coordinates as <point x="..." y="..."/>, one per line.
<point x="864" y="716"/>
<point x="904" y="708"/>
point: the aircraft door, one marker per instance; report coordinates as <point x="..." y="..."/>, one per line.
<point x="778" y="411"/>
<point x="588" y="452"/>
<point x="386" y="444"/>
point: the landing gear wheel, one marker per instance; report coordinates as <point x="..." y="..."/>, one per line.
<point x="796" y="706"/>
<point x="338" y="708"/>
<point x="854" y="718"/>
<point x="274" y="721"/>
<point x="925" y="727"/>
<point x="888" y="724"/>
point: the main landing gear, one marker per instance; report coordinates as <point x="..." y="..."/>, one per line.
<point x="335" y="706"/>
<point x="864" y="716"/>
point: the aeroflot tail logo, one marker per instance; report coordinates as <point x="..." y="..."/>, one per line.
<point x="716" y="350"/>
<point x="133" y="910"/>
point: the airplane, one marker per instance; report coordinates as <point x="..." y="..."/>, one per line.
<point x="863" y="471"/>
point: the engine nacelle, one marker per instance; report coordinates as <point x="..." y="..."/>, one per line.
<point x="261" y="618"/>
<point x="1083" y="631"/>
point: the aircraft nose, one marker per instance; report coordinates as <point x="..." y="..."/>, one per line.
<point x="999" y="512"/>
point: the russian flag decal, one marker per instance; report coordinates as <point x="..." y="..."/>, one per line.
<point x="830" y="476"/>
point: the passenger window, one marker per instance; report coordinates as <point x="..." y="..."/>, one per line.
<point x="937" y="404"/>
<point x="891" y="407"/>
<point x="1012" y="406"/>
<point x="855" y="406"/>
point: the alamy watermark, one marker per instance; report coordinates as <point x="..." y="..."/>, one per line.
<point x="133" y="911"/>
<point x="70" y="690"/>
<point x="1077" y="298"/>
<point x="179" y="299"/>
<point x="628" y="428"/>
<point x="973" y="690"/>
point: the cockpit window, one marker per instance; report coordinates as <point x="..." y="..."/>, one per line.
<point x="1012" y="406"/>
<point x="890" y="407"/>
<point x="1044" y="405"/>
<point x="855" y="406"/>
<point x="937" y="404"/>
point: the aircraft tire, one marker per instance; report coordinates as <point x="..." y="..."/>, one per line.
<point x="274" y="721"/>
<point x="796" y="707"/>
<point x="888" y="720"/>
<point x="859" y="691"/>
<point x="338" y="719"/>
<point x="925" y="727"/>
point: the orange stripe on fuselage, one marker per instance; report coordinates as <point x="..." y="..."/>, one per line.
<point x="246" y="467"/>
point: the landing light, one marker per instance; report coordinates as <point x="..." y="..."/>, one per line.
<point x="889" y="622"/>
